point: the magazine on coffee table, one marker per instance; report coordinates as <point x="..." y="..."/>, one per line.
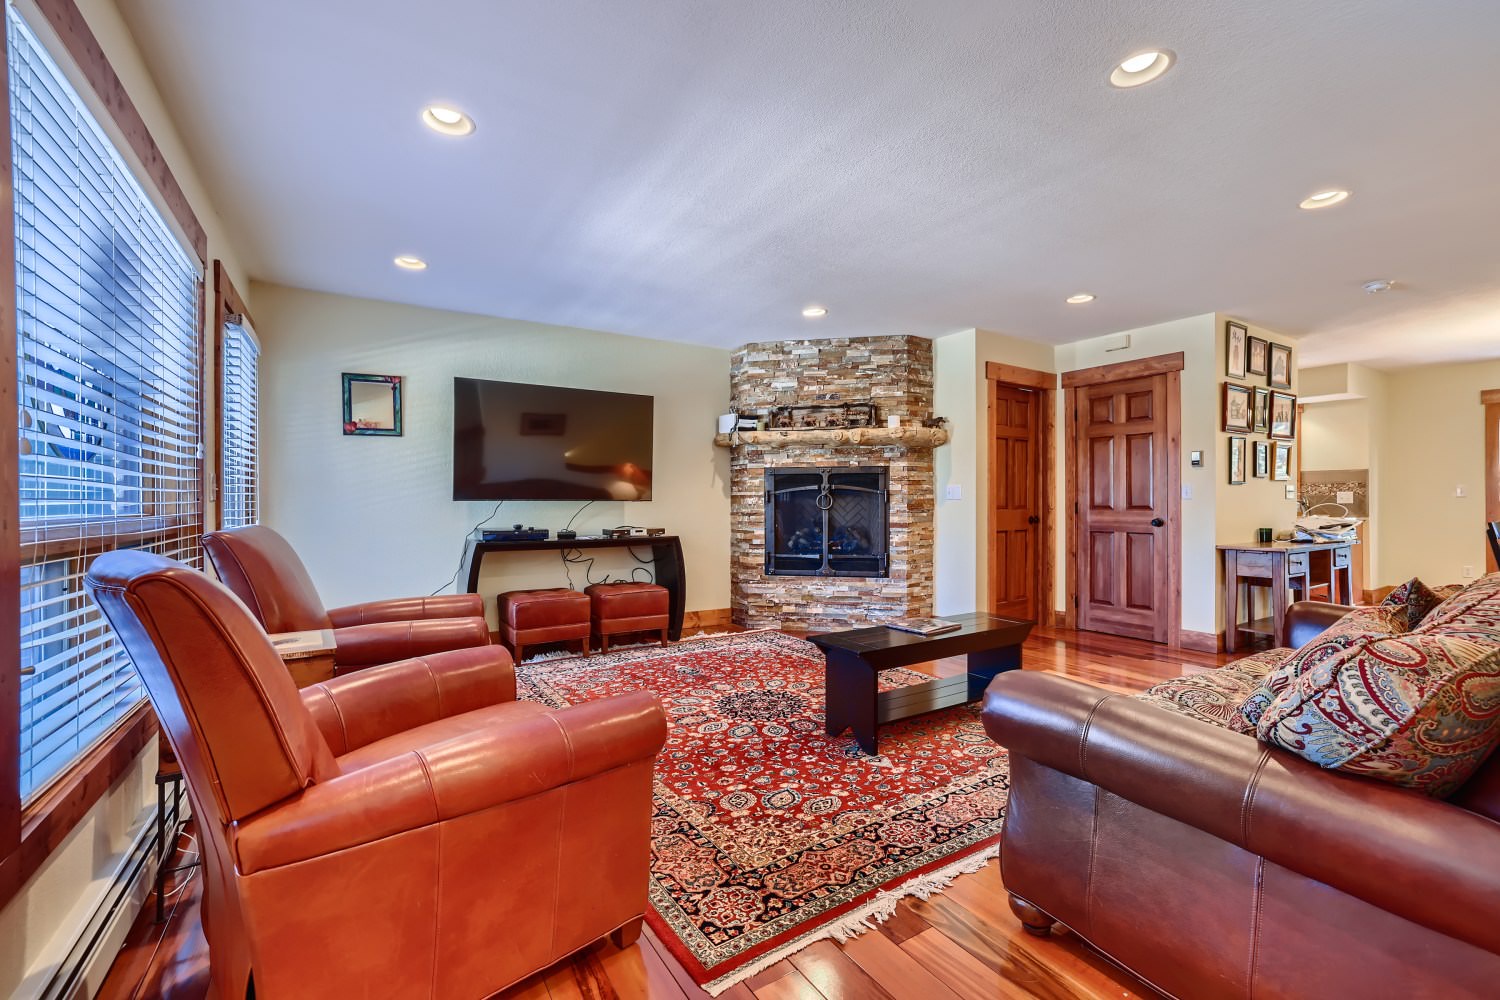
<point x="923" y="626"/>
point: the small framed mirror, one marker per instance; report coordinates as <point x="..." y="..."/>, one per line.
<point x="372" y="404"/>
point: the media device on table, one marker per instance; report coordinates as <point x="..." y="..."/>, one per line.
<point x="515" y="441"/>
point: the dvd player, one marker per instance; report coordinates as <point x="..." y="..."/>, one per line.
<point x="516" y="534"/>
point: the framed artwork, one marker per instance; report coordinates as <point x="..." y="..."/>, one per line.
<point x="1259" y="355"/>
<point x="1280" y="375"/>
<point x="1236" y="461"/>
<point x="1235" y="348"/>
<point x="372" y="405"/>
<point x="1261" y="411"/>
<point x="1283" y="416"/>
<point x="1262" y="459"/>
<point x="1283" y="469"/>
<point x="1236" y="407"/>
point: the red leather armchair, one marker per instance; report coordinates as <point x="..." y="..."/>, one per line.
<point x="407" y="831"/>
<point x="262" y="570"/>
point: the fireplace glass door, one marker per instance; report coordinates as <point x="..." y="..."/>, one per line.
<point x="827" y="522"/>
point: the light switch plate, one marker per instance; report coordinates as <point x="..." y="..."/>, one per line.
<point x="1344" y="496"/>
<point x="1187" y="491"/>
<point x="1291" y="492"/>
<point x="954" y="491"/>
<point x="1459" y="491"/>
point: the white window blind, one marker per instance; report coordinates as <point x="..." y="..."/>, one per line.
<point x="239" y="406"/>
<point x="109" y="366"/>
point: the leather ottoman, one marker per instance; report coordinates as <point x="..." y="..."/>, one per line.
<point x="618" y="608"/>
<point x="528" y="617"/>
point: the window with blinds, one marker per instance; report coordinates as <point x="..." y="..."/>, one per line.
<point x="109" y="365"/>
<point x="239" y="408"/>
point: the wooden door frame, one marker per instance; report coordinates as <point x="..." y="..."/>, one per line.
<point x="1490" y="399"/>
<point x="1044" y="384"/>
<point x="1170" y="365"/>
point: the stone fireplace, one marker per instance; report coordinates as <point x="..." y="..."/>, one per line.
<point x="833" y="530"/>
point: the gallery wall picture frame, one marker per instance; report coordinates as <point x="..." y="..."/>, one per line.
<point x="372" y="405"/>
<point x="1236" y="461"/>
<point x="1237" y="416"/>
<point x="1259" y="362"/>
<point x="1280" y="374"/>
<point x="1283" y="416"/>
<point x="1261" y="411"/>
<point x="1235" y="350"/>
<point x="1282" y="468"/>
<point x="1262" y="462"/>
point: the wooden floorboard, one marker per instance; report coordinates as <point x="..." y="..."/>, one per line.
<point x="960" y="944"/>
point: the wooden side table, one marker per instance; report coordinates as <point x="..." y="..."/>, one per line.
<point x="1281" y="567"/>
<point x="308" y="655"/>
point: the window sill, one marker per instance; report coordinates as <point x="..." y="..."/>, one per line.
<point x="60" y="808"/>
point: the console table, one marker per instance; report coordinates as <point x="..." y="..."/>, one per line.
<point x="1281" y="566"/>
<point x="666" y="562"/>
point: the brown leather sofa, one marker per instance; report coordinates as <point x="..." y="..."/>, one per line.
<point x="262" y="569"/>
<point x="1213" y="865"/>
<point x="407" y="831"/>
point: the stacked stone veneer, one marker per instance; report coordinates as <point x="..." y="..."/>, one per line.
<point x="895" y="373"/>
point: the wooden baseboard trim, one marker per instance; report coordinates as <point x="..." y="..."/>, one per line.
<point x="715" y="618"/>
<point x="1201" y="642"/>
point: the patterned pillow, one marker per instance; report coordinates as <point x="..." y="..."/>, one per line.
<point x="1416" y="597"/>
<point x="1215" y="695"/>
<point x="1482" y="593"/>
<point x="1355" y="627"/>
<point x="1418" y="710"/>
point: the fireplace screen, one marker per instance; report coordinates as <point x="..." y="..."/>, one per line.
<point x="827" y="522"/>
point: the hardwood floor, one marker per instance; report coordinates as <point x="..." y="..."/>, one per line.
<point x="961" y="944"/>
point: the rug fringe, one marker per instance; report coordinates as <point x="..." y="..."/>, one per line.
<point x="864" y="918"/>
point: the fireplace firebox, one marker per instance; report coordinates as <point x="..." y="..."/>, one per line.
<point x="828" y="522"/>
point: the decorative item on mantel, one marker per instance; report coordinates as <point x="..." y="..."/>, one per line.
<point x="873" y="437"/>
<point x="822" y="415"/>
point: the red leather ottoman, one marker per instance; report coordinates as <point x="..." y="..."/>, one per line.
<point x="528" y="617"/>
<point x="627" y="607"/>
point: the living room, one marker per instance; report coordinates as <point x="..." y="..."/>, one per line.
<point x="1054" y="430"/>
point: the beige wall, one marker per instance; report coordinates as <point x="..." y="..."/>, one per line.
<point x="374" y="517"/>
<point x="41" y="921"/>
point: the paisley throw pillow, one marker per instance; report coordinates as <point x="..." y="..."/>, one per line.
<point x="1416" y="597"/>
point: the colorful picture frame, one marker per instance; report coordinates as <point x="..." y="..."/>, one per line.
<point x="1283" y="416"/>
<point x="1236" y="461"/>
<point x="1280" y="374"/>
<point x="1262" y="460"/>
<point x="1282" y="470"/>
<point x="1259" y="356"/>
<point x="1236" y="355"/>
<point x="1237" y="402"/>
<point x="1260" y="421"/>
<point x="372" y="405"/>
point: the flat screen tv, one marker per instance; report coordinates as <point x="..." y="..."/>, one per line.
<point x="514" y="441"/>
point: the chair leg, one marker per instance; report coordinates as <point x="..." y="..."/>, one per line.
<point x="520" y="652"/>
<point x="603" y="642"/>
<point x="1034" y="920"/>
<point x="663" y="637"/>
<point x="625" y="936"/>
<point x="585" y="645"/>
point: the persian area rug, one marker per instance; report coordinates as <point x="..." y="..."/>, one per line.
<point x="769" y="834"/>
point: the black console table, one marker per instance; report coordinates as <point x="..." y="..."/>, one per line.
<point x="666" y="558"/>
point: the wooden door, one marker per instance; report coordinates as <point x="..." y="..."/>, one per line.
<point x="1123" y="507"/>
<point x="1014" y="478"/>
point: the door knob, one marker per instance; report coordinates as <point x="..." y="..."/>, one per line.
<point x="1157" y="522"/>
<point x="1033" y="519"/>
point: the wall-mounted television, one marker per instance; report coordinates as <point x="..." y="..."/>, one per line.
<point x="516" y="441"/>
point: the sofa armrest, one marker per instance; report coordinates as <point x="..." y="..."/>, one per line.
<point x="408" y="609"/>
<point x="1306" y="620"/>
<point x="358" y="646"/>
<point x="1424" y="859"/>
<point x="458" y="777"/>
<point x="359" y="708"/>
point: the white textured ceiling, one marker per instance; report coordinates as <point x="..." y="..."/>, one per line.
<point x="699" y="170"/>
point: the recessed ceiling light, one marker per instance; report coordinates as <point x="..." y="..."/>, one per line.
<point x="449" y="121"/>
<point x="815" y="312"/>
<point x="1379" y="285"/>
<point x="1324" y="198"/>
<point x="1079" y="299"/>
<point x="407" y="262"/>
<point x="1143" y="67"/>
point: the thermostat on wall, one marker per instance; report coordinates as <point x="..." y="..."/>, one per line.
<point x="1195" y="458"/>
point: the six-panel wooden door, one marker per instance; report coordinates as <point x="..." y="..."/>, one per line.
<point x="1014" y="477"/>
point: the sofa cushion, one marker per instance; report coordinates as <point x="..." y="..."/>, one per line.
<point x="1215" y="695"/>
<point x="1418" y="710"/>
<point x="1479" y="602"/>
<point x="1416" y="598"/>
<point x="1357" y="625"/>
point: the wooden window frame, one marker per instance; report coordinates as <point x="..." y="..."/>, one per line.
<point x="29" y="835"/>
<point x="1490" y="400"/>
<point x="227" y="302"/>
<point x="1044" y="384"/>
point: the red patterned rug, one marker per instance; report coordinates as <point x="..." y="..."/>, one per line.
<point x="768" y="834"/>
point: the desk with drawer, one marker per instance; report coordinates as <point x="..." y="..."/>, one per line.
<point x="1282" y="567"/>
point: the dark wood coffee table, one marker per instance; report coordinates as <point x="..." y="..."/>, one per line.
<point x="855" y="659"/>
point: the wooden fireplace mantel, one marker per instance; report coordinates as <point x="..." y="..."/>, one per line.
<point x="870" y="437"/>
